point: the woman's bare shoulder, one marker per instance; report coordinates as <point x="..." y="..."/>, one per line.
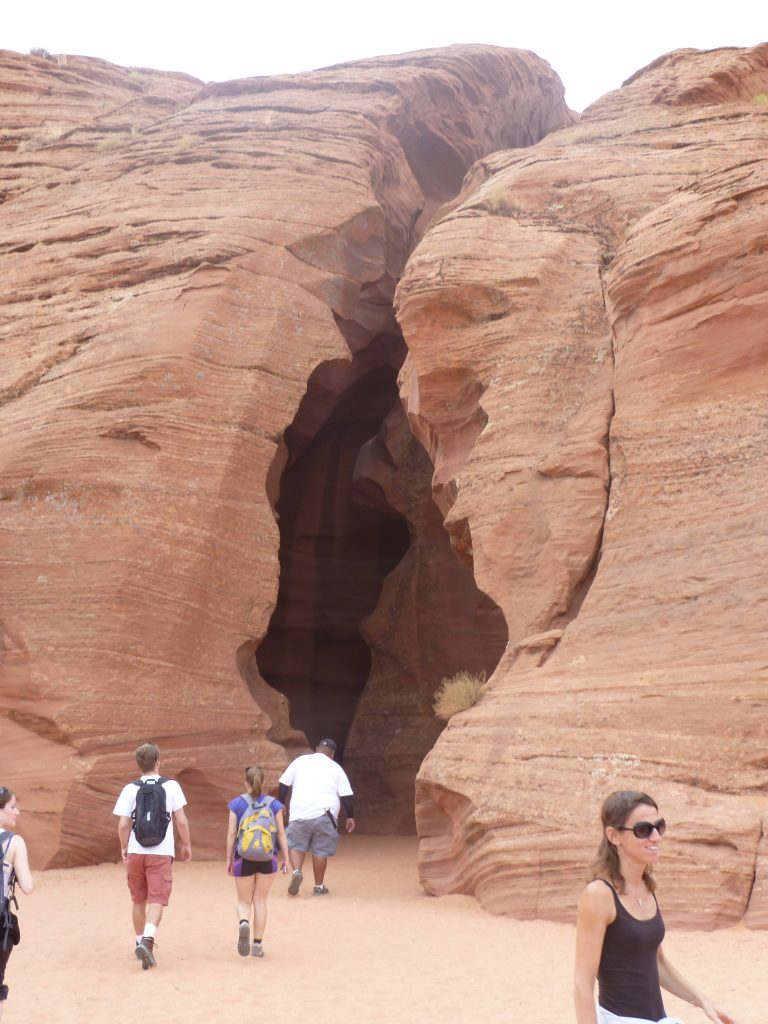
<point x="597" y="897"/>
<point x="16" y="853"/>
<point x="599" y="885"/>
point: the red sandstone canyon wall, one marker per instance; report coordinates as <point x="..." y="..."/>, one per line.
<point x="177" y="263"/>
<point x="201" y="491"/>
<point x="598" y="307"/>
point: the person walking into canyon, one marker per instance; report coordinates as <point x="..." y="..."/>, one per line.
<point x="255" y="831"/>
<point x="620" y="930"/>
<point x="147" y="810"/>
<point x="15" y="869"/>
<point x="319" y="788"/>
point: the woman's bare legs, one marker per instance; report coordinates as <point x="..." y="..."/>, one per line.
<point x="245" y="896"/>
<point x="260" y="893"/>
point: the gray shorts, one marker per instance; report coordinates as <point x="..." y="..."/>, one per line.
<point x="313" y="835"/>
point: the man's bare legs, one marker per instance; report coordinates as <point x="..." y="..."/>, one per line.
<point x="296" y="858"/>
<point x="144" y="914"/>
<point x="319" y="864"/>
<point x="146" y="918"/>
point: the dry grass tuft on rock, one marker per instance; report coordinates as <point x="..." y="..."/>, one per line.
<point x="457" y="693"/>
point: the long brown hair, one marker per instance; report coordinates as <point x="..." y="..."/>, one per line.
<point x="254" y="780"/>
<point x="616" y="809"/>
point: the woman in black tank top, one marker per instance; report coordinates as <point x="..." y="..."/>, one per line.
<point x="620" y="929"/>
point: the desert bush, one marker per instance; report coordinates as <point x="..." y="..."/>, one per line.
<point x="41" y="137"/>
<point x="457" y="693"/>
<point x="38" y="51"/>
<point x="498" y="200"/>
<point x="762" y="97"/>
<point x="34" y="175"/>
<point x="115" y="138"/>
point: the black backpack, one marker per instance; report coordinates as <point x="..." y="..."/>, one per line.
<point x="9" y="922"/>
<point x="150" y="818"/>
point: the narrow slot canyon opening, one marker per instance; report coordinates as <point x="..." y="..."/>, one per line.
<point x="336" y="546"/>
<point x="374" y="608"/>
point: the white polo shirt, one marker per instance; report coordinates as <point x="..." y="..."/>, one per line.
<point x="317" y="783"/>
<point x="174" y="801"/>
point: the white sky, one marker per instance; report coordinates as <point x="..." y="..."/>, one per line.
<point x="592" y="44"/>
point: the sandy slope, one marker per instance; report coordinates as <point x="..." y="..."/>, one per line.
<point x="376" y="950"/>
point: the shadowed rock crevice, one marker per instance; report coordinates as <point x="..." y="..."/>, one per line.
<point x="374" y="607"/>
<point x="335" y="550"/>
<point x="582" y="588"/>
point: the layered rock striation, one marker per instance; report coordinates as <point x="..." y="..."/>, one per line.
<point x="178" y="264"/>
<point x="586" y="327"/>
<point x="220" y="527"/>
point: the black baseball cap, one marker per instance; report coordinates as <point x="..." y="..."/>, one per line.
<point x="327" y="743"/>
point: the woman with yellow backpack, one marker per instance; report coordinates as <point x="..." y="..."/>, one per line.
<point x="255" y="833"/>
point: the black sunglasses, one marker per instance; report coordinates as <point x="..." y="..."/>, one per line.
<point x="644" y="829"/>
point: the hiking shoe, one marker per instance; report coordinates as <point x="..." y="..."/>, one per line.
<point x="257" y="950"/>
<point x="145" y="951"/>
<point x="244" y="939"/>
<point x="321" y="890"/>
<point x="296" y="879"/>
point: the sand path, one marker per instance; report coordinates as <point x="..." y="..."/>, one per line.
<point x="376" y="950"/>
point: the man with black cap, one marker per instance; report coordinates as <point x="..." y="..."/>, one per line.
<point x="319" y="788"/>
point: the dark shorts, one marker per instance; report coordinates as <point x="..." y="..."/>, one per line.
<point x="245" y="868"/>
<point x="313" y="835"/>
<point x="150" y="878"/>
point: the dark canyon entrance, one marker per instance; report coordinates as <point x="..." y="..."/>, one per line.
<point x="339" y="539"/>
<point x="374" y="607"/>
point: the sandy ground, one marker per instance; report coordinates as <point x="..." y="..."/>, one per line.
<point x="377" y="949"/>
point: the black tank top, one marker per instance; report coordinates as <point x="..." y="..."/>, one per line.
<point x="628" y="975"/>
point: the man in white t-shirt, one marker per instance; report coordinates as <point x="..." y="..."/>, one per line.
<point x="149" y="869"/>
<point x="319" y="788"/>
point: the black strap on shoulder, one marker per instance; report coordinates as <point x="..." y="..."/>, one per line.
<point x="3" y="836"/>
<point x="10" y="895"/>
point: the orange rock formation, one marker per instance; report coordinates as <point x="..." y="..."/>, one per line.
<point x="198" y="304"/>
<point x="599" y="306"/>
<point x="218" y="526"/>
